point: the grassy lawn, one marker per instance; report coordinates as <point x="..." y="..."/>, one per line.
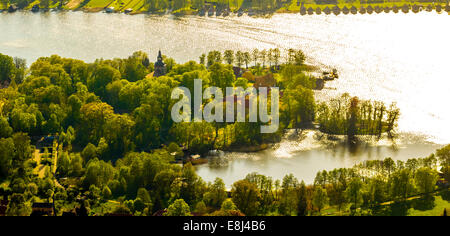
<point x="98" y="4"/>
<point x="439" y="205"/>
<point x="106" y="207"/>
<point x="136" y="5"/>
<point x="414" y="206"/>
<point x="120" y="5"/>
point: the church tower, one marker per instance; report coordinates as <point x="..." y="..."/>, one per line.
<point x="160" y="67"/>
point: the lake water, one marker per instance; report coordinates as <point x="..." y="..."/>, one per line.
<point x="389" y="57"/>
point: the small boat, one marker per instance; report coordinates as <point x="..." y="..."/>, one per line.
<point x="345" y="10"/>
<point x="378" y="9"/>
<point x="302" y="11"/>
<point x="362" y="10"/>
<point x="240" y="13"/>
<point x="202" y="12"/>
<point x="226" y="12"/>
<point x="336" y="10"/>
<point x="318" y="11"/>
<point x="405" y="8"/>
<point x="211" y="11"/>
<point x="395" y="9"/>
<point x="327" y="76"/>
<point x="109" y="10"/>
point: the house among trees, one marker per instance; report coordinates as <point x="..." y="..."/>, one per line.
<point x="238" y="71"/>
<point x="109" y="10"/>
<point x="47" y="142"/>
<point x="265" y="81"/>
<point x="160" y="67"/>
<point x="35" y="8"/>
<point x="12" y="8"/>
<point x="3" y="207"/>
<point x="42" y="209"/>
<point x="5" y="84"/>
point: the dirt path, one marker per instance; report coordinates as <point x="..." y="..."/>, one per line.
<point x="40" y="169"/>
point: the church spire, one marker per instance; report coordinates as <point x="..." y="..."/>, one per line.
<point x="160" y="67"/>
<point x="159" y="55"/>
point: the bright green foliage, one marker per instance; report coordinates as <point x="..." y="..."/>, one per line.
<point x="246" y="197"/>
<point x="178" y="208"/>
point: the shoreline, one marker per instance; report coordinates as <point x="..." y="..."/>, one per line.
<point x="325" y="140"/>
<point x="306" y="9"/>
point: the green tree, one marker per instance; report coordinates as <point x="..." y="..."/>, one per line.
<point x="320" y="198"/>
<point x="192" y="187"/>
<point x="202" y="59"/>
<point x="276" y="56"/>
<point x="425" y="179"/>
<point x="101" y="77"/>
<point x="444" y="155"/>
<point x="246" y="197"/>
<point x="228" y="56"/>
<point x="95" y="116"/>
<point x="5" y="129"/>
<point x="376" y="191"/>
<point x="239" y="58"/>
<point x="288" y="201"/>
<point x="246" y="59"/>
<point x="221" y="76"/>
<point x="255" y="56"/>
<point x="200" y="208"/>
<point x="144" y="195"/>
<point x="18" y="206"/>
<point x="44" y="4"/>
<point x="215" y="194"/>
<point x="21" y="67"/>
<point x="6" y="159"/>
<point x="402" y="184"/>
<point x="7" y="68"/>
<point x="354" y="192"/>
<point x="302" y="200"/>
<point x="228" y="205"/>
<point x="106" y="193"/>
<point x="214" y="57"/>
<point x="178" y="208"/>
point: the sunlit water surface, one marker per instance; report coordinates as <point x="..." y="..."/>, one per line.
<point x="388" y="57"/>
